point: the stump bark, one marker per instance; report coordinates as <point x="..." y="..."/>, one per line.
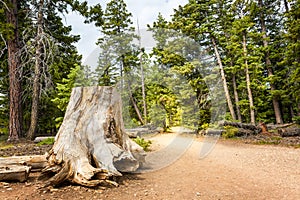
<point x="91" y="144"/>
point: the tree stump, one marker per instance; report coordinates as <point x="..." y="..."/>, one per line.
<point x="91" y="144"/>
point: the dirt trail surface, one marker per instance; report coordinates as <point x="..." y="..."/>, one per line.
<point x="232" y="170"/>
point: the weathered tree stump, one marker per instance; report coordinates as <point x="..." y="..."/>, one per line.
<point x="91" y="144"/>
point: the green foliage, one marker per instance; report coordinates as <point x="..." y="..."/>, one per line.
<point x="296" y="119"/>
<point x="76" y="78"/>
<point x="230" y="132"/>
<point x="47" y="141"/>
<point x="145" y="144"/>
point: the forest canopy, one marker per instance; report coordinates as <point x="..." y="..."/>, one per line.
<point x="236" y="60"/>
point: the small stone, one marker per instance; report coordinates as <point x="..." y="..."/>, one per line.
<point x="198" y="194"/>
<point x="53" y="190"/>
<point x="9" y="189"/>
<point x="27" y="184"/>
<point x="4" y="183"/>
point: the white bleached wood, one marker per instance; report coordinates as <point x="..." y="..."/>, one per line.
<point x="92" y="139"/>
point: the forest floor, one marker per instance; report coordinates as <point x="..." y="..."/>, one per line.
<point x="234" y="169"/>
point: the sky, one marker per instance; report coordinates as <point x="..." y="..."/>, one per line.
<point x="145" y="11"/>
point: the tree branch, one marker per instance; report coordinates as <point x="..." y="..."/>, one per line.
<point x="2" y="50"/>
<point x="5" y="5"/>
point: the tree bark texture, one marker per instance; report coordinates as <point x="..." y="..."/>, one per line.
<point x="15" y="110"/>
<point x="91" y="144"/>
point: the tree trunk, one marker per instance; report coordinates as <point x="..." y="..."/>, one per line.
<point x="286" y="5"/>
<point x="227" y="95"/>
<point x="142" y="51"/>
<point x="275" y="100"/>
<point x="236" y="98"/>
<point x="143" y="90"/>
<point x="37" y="74"/>
<point x="15" y="110"/>
<point x="91" y="144"/>
<point x="250" y="97"/>
<point x="139" y="115"/>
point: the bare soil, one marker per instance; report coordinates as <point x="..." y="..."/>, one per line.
<point x="232" y="170"/>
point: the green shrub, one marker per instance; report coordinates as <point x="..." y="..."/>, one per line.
<point x="145" y="144"/>
<point x="296" y="119"/>
<point x="230" y="132"/>
<point x="47" y="141"/>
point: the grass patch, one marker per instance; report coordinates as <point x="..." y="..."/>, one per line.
<point x="265" y="142"/>
<point x="145" y="144"/>
<point x="272" y="141"/>
<point x="47" y="141"/>
<point x="3" y="145"/>
<point x="297" y="146"/>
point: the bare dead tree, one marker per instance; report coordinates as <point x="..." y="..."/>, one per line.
<point x="37" y="73"/>
<point x="38" y="51"/>
<point x="142" y="75"/>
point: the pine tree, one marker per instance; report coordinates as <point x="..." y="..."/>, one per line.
<point x="11" y="12"/>
<point x="269" y="66"/>
<point x="119" y="54"/>
<point x="76" y="78"/>
<point x="116" y="26"/>
<point x="292" y="56"/>
<point x="28" y="37"/>
<point x="198" y="20"/>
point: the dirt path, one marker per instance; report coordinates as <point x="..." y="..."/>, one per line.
<point x="231" y="171"/>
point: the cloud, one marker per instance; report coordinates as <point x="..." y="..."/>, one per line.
<point x="145" y="11"/>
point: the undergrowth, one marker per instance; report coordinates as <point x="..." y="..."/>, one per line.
<point x="47" y="141"/>
<point x="145" y="144"/>
<point x="230" y="132"/>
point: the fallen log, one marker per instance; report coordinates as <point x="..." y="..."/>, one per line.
<point x="36" y="162"/>
<point x="14" y="173"/>
<point x="241" y="125"/>
<point x="278" y="126"/>
<point x="18" y="168"/>
<point x="289" y="132"/>
<point x="91" y="144"/>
